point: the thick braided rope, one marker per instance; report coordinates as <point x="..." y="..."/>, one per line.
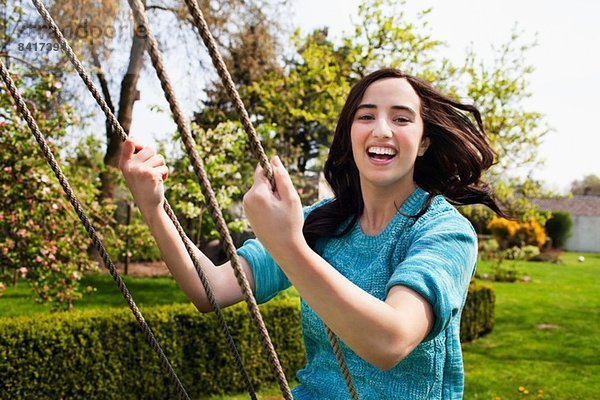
<point x="255" y="145"/>
<point x="39" y="137"/>
<point x="342" y="361"/>
<point x="51" y="24"/>
<point x="197" y="164"/>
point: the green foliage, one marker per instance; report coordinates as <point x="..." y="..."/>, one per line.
<point x="505" y="272"/>
<point x="40" y="236"/>
<point x="558" y="228"/>
<point x="301" y="101"/>
<point x="488" y="248"/>
<point x="499" y="90"/>
<point x="478" y="316"/>
<point x="229" y="167"/>
<point x="589" y="185"/>
<point x="523" y="253"/>
<point x="102" y="354"/>
<point x="142" y="246"/>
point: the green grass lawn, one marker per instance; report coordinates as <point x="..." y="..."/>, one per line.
<point x="145" y="291"/>
<point x="562" y="362"/>
<point x="547" y="334"/>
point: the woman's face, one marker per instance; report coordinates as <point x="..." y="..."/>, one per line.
<point x="387" y="134"/>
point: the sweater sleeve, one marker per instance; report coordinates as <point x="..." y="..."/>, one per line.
<point x="269" y="279"/>
<point x="439" y="264"/>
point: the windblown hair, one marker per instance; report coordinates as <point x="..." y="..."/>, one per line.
<point x="457" y="155"/>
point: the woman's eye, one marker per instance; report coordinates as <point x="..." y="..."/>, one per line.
<point x="365" y="117"/>
<point x="401" y="119"/>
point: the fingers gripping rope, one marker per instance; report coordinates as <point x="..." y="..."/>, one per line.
<point x="22" y="107"/>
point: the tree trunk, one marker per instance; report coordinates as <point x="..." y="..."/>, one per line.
<point x="129" y="94"/>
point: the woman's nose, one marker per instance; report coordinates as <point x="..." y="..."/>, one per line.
<point x="382" y="129"/>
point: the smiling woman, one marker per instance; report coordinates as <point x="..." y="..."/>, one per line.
<point x="385" y="264"/>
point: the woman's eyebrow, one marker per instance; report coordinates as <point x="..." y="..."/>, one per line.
<point x="395" y="107"/>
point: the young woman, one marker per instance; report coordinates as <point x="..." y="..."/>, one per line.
<point x="385" y="264"/>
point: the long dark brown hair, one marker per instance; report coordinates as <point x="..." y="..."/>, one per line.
<point x="458" y="153"/>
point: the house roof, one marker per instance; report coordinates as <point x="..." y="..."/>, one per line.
<point x="577" y="205"/>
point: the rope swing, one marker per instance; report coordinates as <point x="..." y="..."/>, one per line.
<point x="198" y="167"/>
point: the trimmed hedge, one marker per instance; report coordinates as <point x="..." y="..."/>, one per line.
<point x="102" y="354"/>
<point x="478" y="316"/>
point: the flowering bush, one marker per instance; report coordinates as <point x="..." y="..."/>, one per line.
<point x="513" y="233"/>
<point x="41" y="239"/>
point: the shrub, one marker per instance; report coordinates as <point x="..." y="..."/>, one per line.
<point x="478" y="316"/>
<point x="488" y="249"/>
<point x="503" y="272"/>
<point x="521" y="253"/>
<point x="512" y="233"/>
<point x="531" y="233"/>
<point x="41" y="238"/>
<point x="503" y="230"/>
<point x="558" y="228"/>
<point x="102" y="354"/>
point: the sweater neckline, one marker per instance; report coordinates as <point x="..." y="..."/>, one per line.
<point x="411" y="206"/>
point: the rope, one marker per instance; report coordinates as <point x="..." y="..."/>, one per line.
<point x="255" y="146"/>
<point x="225" y="76"/>
<point x="22" y="107"/>
<point x="339" y="355"/>
<point x="197" y="164"/>
<point x="51" y="24"/>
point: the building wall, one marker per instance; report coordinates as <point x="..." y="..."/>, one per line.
<point x="585" y="234"/>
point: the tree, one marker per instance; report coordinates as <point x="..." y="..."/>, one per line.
<point x="588" y="186"/>
<point x="301" y="101"/>
<point x="100" y="43"/>
<point x="41" y="239"/>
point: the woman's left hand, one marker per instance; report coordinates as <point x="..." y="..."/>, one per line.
<point x="276" y="216"/>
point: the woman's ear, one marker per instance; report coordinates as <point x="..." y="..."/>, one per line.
<point x="425" y="142"/>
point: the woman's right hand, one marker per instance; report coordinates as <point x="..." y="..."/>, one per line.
<point x="144" y="173"/>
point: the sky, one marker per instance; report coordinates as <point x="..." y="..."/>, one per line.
<point x="565" y="84"/>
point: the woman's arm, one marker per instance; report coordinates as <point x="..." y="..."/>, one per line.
<point x="144" y="174"/>
<point x="381" y="332"/>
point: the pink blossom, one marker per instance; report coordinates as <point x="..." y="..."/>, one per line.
<point x="23" y="272"/>
<point x="38" y="259"/>
<point x="5" y="250"/>
<point x="75" y="275"/>
<point x="22" y="232"/>
<point x="57" y="85"/>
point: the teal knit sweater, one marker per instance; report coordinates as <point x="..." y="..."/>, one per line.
<point x="434" y="255"/>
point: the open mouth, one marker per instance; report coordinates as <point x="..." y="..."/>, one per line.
<point x="381" y="153"/>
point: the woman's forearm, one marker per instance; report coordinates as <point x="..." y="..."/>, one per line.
<point x="178" y="260"/>
<point x="372" y="328"/>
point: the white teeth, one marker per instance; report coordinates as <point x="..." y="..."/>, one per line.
<point x="382" y="150"/>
